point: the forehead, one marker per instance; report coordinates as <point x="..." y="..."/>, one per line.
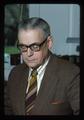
<point x="30" y="36"/>
<point x="30" y="33"/>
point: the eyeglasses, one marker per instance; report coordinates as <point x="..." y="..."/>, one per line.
<point x="34" y="47"/>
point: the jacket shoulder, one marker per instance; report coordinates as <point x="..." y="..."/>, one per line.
<point x="18" y="71"/>
<point x="19" y="67"/>
<point x="63" y="67"/>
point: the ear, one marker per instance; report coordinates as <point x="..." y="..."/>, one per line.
<point x="49" y="42"/>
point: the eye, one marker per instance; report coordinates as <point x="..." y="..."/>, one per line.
<point x="23" y="47"/>
<point x="34" y="47"/>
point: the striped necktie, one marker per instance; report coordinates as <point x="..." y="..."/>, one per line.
<point x="31" y="94"/>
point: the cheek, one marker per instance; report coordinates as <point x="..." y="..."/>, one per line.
<point x="41" y="56"/>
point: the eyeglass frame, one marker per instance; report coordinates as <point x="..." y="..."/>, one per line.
<point x="30" y="46"/>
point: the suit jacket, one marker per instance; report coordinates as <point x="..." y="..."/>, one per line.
<point x="58" y="94"/>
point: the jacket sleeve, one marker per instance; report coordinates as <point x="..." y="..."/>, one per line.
<point x="73" y="91"/>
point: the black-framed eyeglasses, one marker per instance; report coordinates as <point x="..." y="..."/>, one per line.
<point x="34" y="47"/>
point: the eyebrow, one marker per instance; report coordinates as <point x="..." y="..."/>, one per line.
<point x="36" y="43"/>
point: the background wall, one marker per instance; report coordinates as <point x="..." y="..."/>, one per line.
<point x="64" y="20"/>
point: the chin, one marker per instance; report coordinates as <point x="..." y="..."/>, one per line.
<point x="32" y="66"/>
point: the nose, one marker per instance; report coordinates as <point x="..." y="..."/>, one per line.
<point x="29" y="52"/>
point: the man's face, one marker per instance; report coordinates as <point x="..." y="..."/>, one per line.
<point x="27" y="37"/>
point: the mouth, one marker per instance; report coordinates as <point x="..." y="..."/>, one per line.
<point x="33" y="60"/>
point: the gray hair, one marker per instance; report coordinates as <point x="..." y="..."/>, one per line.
<point x="35" y="23"/>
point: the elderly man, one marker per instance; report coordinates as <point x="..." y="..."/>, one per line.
<point x="43" y="84"/>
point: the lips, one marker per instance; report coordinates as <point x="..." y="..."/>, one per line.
<point x="31" y="60"/>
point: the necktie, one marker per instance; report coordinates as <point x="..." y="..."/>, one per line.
<point x="31" y="95"/>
